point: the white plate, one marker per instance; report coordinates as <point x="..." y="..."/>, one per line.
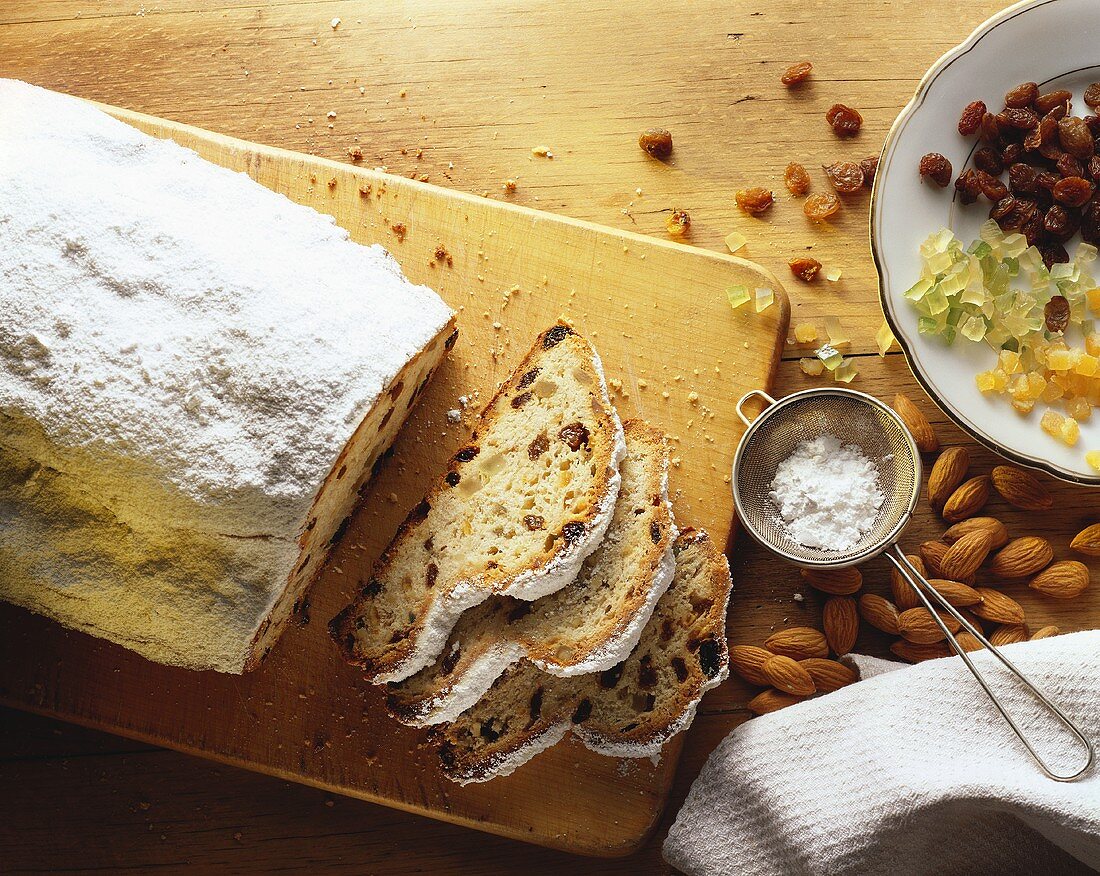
<point x="1054" y="43"/>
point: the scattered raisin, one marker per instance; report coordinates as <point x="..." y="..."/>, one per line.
<point x="845" y="176"/>
<point x="1067" y="165"/>
<point x="844" y="120"/>
<point x="678" y="223"/>
<point x="937" y="168"/>
<point x="583" y="711"/>
<point x="1044" y="103"/>
<point x="821" y="206"/>
<point x="1022" y="95"/>
<point x="1058" y="223"/>
<point x="520" y="400"/>
<point x="1076" y="138"/>
<point x="538" y="446"/>
<point x="572" y="532"/>
<point x="1012" y="153"/>
<point x="796" y="73"/>
<point x="657" y="142"/>
<point x="992" y="187"/>
<point x="968" y="187"/>
<point x="534" y="522"/>
<point x="555" y="336"/>
<point x="1094" y="123"/>
<point x="991" y="129"/>
<point x="1073" y="191"/>
<point x="804" y="268"/>
<point x="610" y="677"/>
<point x="452" y="478"/>
<point x="1053" y="254"/>
<point x="1046" y="180"/>
<point x="971" y="118"/>
<point x="1020" y="119"/>
<point x="989" y="160"/>
<point x="575" y="435"/>
<point x="1022" y="178"/>
<point x="753" y="201"/>
<point x="869" y="166"/>
<point x="710" y="658"/>
<point x="1094" y="167"/>
<point x="535" y="709"/>
<point x="1003" y="208"/>
<point x="1092" y="95"/>
<point x="796" y="179"/>
<point x="1056" y="314"/>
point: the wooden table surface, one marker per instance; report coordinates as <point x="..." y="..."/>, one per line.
<point x="460" y="92"/>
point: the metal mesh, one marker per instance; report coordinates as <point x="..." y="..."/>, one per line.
<point x="852" y="417"/>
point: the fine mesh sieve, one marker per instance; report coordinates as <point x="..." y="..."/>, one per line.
<point x="862" y="420"/>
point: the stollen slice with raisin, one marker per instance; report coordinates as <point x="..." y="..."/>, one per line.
<point x="589" y="625"/>
<point x="520" y="507"/>
<point x="630" y="710"/>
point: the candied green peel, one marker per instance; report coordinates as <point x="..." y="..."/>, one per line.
<point x="999" y="292"/>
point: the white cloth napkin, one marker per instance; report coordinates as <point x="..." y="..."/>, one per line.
<point x="907" y="772"/>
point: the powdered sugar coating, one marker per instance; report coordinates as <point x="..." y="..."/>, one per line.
<point x="206" y="340"/>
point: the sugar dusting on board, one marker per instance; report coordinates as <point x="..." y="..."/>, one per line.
<point x="827" y="493"/>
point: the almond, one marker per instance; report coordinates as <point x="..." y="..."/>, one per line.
<point x="918" y="625"/>
<point x="771" y="701"/>
<point x="788" y="676"/>
<point x="967" y="500"/>
<point x="915" y="653"/>
<point x="967" y="615"/>
<point x="1062" y="580"/>
<point x="1045" y="632"/>
<point x="948" y="472"/>
<point x="835" y="582"/>
<point x="955" y="592"/>
<point x="903" y="594"/>
<point x="1021" y="557"/>
<point x="917" y="423"/>
<point x="998" y="608"/>
<point x="840" y="619"/>
<point x="879" y="612"/>
<point x="1007" y="634"/>
<point x="965" y="556"/>
<point x="748" y="662"/>
<point x="968" y="642"/>
<point x="1087" y="541"/>
<point x="933" y="552"/>
<point x="798" y="642"/>
<point x="829" y="675"/>
<point x="1021" y="488"/>
<point x="997" y="532"/>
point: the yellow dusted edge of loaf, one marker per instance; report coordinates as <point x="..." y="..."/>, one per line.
<point x="199" y="600"/>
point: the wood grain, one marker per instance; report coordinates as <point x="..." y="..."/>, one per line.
<point x="509" y="272"/>
<point x="484" y="83"/>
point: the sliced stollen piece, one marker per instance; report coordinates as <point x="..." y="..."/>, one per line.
<point x="630" y="710"/>
<point x="519" y="508"/>
<point x="589" y="625"/>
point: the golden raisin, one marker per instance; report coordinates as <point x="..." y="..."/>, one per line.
<point x="937" y="168"/>
<point x="1044" y="103"/>
<point x="1056" y="314"/>
<point x="1021" y="119"/>
<point x="844" y="120"/>
<point x="869" y="166"/>
<point x="1092" y="95"/>
<point x="821" y="206"/>
<point x="1076" y="138"/>
<point x="845" y="176"/>
<point x="1073" y="191"/>
<point x="971" y="118"/>
<point x="796" y="73"/>
<point x="796" y="179"/>
<point x="678" y="224"/>
<point x="657" y="142"/>
<point x="804" y="268"/>
<point x="753" y="201"/>
<point x="1022" y="95"/>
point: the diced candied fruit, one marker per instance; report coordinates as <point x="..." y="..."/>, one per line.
<point x="1070" y="432"/>
<point x="805" y="332"/>
<point x="837" y="335"/>
<point x="1092" y="299"/>
<point x="1009" y="361"/>
<point x="1093" y="459"/>
<point x="764" y="298"/>
<point x="1051" y="423"/>
<point x="1052" y="392"/>
<point x="846" y="371"/>
<point x="738" y="295"/>
<point x="830" y="356"/>
<point x="811" y="366"/>
<point x="1087" y="366"/>
<point x="735" y="240"/>
<point x="832" y="274"/>
<point x="1079" y="409"/>
<point x="986" y="381"/>
<point x="1023" y="406"/>
<point x="884" y="338"/>
<point x="1060" y="360"/>
<point x="1092" y="343"/>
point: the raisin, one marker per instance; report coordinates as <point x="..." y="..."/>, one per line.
<point x="845" y="176"/>
<point x="1044" y="103"/>
<point x="655" y="532"/>
<point x="804" y="268"/>
<point x="844" y="120"/>
<point x="657" y="142"/>
<point x="753" y="201"/>
<point x="572" y="532"/>
<point x="610" y="677"/>
<point x="968" y="187"/>
<point x="575" y="435"/>
<point x="1022" y="95"/>
<point x="937" y="168"/>
<point x="1058" y="223"/>
<point x="520" y="400"/>
<point x="821" y="206"/>
<point x="647" y="675"/>
<point x="431" y="574"/>
<point x="992" y="187"/>
<point x="680" y="668"/>
<point x="1022" y="178"/>
<point x="1012" y="153"/>
<point x="372" y="588"/>
<point x="1092" y="95"/>
<point x="1053" y="254"/>
<point x="710" y="655"/>
<point x="991" y="129"/>
<point x="1094" y="167"/>
<point x="452" y="478"/>
<point x="538" y="446"/>
<point x="1020" y="119"/>
<point x="989" y="160"/>
<point x="869" y="166"/>
<point x="678" y="223"/>
<point x="796" y="73"/>
<point x="528" y="378"/>
<point x="1003" y="208"/>
<point x="1073" y="191"/>
<point x="971" y="118"/>
<point x="555" y="336"/>
<point x="1067" y="165"/>
<point x="535" y="710"/>
<point x="1046" y="180"/>
<point x="450" y="661"/>
<point x="1094" y="124"/>
<point x="1051" y="151"/>
<point x="796" y="179"/>
<point x="582" y="712"/>
<point x="1076" y="138"/>
<point x="488" y="732"/>
<point x="534" y="522"/>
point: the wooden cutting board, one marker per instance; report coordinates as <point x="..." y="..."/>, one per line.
<point x="675" y="352"/>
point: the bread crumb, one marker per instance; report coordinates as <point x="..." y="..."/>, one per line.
<point x="542" y="152"/>
<point x="509" y="186"/>
<point x="335" y="23"/>
<point x="400" y="230"/>
<point x="454" y="416"/>
<point x="693" y="397"/>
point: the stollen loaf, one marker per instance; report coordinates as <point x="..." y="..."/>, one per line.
<point x="196" y="377"/>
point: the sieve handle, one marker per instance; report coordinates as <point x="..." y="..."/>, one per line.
<point x="741" y="402"/>
<point x="927" y="594"/>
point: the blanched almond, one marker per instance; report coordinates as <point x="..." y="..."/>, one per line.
<point x="771" y="701"/>
<point x="836" y="582"/>
<point x="1021" y="488"/>
<point x="997" y="607"/>
<point x="947" y="473"/>
<point x="1062" y="580"/>
<point x="918" y="625"/>
<point x="879" y="612"/>
<point x="829" y="675"/>
<point x="965" y="556"/>
<point x="997" y="532"/>
<point x="840" y="620"/>
<point x="917" y="423"/>
<point x="748" y="662"/>
<point x="1021" y="557"/>
<point x="798" y="642"/>
<point x="967" y="500"/>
